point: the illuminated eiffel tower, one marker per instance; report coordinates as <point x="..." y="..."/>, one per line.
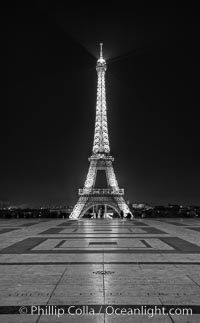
<point x="100" y="160"/>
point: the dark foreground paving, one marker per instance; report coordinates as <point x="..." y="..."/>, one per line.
<point x="94" y="263"/>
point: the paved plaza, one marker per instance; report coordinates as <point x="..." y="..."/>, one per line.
<point x="99" y="262"/>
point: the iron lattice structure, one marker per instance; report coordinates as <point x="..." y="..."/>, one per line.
<point x="100" y="159"/>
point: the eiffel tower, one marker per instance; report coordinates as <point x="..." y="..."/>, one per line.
<point x="101" y="159"/>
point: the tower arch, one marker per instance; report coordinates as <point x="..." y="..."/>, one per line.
<point x="94" y="204"/>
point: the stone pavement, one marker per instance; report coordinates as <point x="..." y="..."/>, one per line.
<point x="98" y="263"/>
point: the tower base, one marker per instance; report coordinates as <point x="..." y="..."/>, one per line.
<point x="88" y="201"/>
<point x="111" y="196"/>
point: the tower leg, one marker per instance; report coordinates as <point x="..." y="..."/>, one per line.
<point x="78" y="208"/>
<point x="123" y="206"/>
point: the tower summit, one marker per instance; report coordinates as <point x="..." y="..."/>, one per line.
<point x="101" y="141"/>
<point x="89" y="196"/>
<point x="101" y="59"/>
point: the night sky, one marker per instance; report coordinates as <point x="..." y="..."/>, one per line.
<point x="48" y="56"/>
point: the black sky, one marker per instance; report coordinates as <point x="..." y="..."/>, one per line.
<point x="48" y="58"/>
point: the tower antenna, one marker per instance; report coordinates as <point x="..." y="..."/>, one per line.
<point x="101" y="50"/>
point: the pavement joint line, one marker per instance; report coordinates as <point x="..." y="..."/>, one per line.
<point x="102" y="237"/>
<point x="193" y="280"/>
<point x="104" y="292"/>
<point x="56" y="285"/>
<point x="99" y="263"/>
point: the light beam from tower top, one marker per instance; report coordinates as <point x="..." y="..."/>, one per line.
<point x="101" y="60"/>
